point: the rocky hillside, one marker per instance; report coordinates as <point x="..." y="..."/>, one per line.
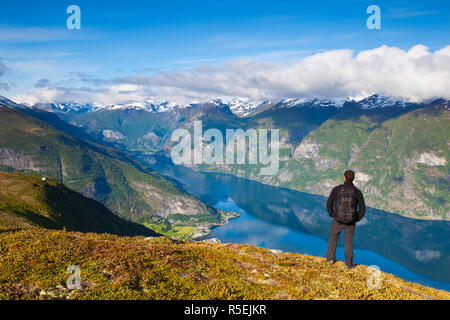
<point x="30" y="201"/>
<point x="33" y="265"/>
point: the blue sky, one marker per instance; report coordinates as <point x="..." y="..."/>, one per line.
<point x="143" y="38"/>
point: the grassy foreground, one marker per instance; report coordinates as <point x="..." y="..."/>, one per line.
<point x="33" y="265"/>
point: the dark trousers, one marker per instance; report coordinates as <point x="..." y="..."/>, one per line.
<point x="335" y="231"/>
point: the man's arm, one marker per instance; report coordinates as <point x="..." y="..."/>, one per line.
<point x="361" y="205"/>
<point x="330" y="202"/>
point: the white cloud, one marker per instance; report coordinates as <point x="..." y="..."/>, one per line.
<point x="42" y="95"/>
<point x="415" y="74"/>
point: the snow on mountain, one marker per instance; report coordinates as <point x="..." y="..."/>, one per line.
<point x="243" y="106"/>
<point x="310" y="102"/>
<point x="136" y="106"/>
<point x="148" y="105"/>
<point x="378" y="101"/>
<point x="8" y="103"/>
<point x="165" y="106"/>
<point x="65" y="107"/>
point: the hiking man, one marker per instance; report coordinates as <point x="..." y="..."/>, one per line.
<point x="346" y="206"/>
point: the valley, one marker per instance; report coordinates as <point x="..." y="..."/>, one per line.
<point x="400" y="150"/>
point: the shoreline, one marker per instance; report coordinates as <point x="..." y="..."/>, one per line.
<point x="205" y="230"/>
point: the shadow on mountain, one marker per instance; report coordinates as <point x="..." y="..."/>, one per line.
<point x="28" y="200"/>
<point x="55" y="121"/>
<point x="78" y="213"/>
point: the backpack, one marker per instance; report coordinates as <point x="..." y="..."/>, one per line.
<point x="345" y="206"/>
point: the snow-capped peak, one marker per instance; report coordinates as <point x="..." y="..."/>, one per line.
<point x="379" y="101"/>
<point x="72" y="107"/>
<point x="64" y="107"/>
<point x="135" y="105"/>
<point x="244" y="106"/>
<point x="239" y="106"/>
<point x="8" y="103"/>
<point x="311" y="102"/>
<point x="148" y="105"/>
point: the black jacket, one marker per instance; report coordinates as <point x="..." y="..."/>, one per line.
<point x="361" y="211"/>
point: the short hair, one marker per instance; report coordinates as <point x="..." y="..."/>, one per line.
<point x="349" y="175"/>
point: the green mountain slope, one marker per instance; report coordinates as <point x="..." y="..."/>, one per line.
<point x="123" y="185"/>
<point x="401" y="162"/>
<point x="27" y="201"/>
<point x="135" y="268"/>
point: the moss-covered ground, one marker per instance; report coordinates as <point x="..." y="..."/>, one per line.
<point x="34" y="262"/>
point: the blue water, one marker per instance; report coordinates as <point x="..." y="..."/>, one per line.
<point x="292" y="221"/>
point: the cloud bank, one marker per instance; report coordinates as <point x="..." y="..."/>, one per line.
<point x="413" y="75"/>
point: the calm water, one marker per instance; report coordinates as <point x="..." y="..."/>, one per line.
<point x="288" y="220"/>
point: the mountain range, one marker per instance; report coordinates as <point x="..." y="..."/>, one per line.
<point x="399" y="150"/>
<point x="241" y="107"/>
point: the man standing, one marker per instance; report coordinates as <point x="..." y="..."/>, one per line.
<point x="346" y="206"/>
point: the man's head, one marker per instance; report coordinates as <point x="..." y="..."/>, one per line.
<point x="349" y="175"/>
